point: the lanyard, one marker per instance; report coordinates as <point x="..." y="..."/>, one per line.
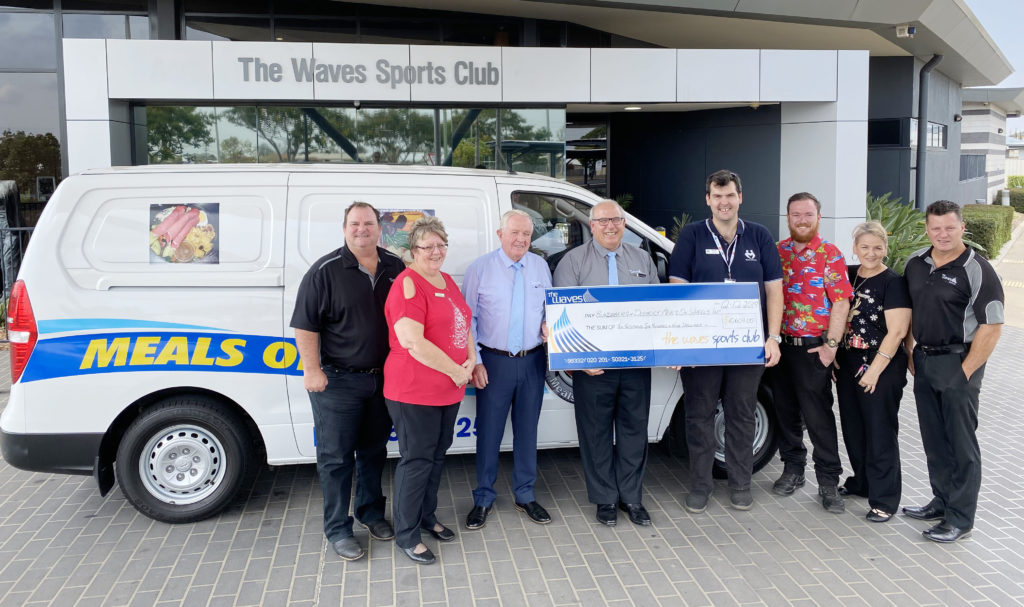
<point x="731" y="247"/>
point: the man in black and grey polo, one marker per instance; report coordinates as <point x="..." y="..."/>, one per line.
<point x="957" y="306"/>
<point x="342" y="337"/>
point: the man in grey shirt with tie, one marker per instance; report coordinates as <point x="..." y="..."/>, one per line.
<point x="612" y="405"/>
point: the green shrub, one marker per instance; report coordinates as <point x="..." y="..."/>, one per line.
<point x="1017" y="199"/>
<point x="1015" y="181"/>
<point x="989" y="225"/>
<point x="903" y="224"/>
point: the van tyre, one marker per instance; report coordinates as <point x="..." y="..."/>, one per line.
<point x="764" y="433"/>
<point x="184" y="459"/>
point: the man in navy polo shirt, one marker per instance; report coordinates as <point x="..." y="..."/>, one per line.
<point x="725" y="248"/>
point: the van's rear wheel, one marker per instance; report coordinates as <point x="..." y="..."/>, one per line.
<point x="184" y="459"/>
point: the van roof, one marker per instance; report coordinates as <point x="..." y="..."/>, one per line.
<point x="308" y="168"/>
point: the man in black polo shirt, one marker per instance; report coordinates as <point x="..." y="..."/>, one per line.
<point x="342" y="338"/>
<point x="726" y="249"/>
<point x="957" y="307"/>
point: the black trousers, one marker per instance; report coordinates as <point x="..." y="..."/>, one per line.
<point x="802" y="388"/>
<point x="947" y="409"/>
<point x="612" y="410"/>
<point x="871" y="427"/>
<point x="736" y="386"/>
<point x="424" y="435"/>
<point x="352" y="428"/>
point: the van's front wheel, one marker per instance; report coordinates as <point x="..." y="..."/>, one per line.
<point x="183" y="459"/>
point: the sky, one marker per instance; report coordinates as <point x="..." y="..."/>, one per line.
<point x="1004" y="20"/>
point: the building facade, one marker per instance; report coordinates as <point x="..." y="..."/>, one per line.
<point x="636" y="100"/>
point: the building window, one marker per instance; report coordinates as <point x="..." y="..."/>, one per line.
<point x="937" y="135"/>
<point x="972" y="166"/>
<point x="28" y="41"/>
<point x="84" y="25"/>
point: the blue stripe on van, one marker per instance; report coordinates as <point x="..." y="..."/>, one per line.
<point x="65" y="325"/>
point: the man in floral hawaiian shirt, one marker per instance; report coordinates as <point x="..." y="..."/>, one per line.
<point x="816" y="297"/>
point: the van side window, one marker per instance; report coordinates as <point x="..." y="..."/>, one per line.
<point x="560" y="224"/>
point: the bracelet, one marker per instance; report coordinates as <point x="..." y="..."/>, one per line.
<point x="884" y="355"/>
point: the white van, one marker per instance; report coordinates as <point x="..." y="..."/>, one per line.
<point x="149" y="323"/>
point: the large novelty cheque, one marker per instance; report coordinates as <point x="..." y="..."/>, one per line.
<point x="654" y="326"/>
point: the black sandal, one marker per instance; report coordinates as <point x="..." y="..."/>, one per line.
<point x="878" y="516"/>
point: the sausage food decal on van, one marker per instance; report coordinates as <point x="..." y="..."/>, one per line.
<point x="182" y="233"/>
<point x="161" y="351"/>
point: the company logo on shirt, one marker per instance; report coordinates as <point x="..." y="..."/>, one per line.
<point x="750" y="255"/>
<point x="950" y="279"/>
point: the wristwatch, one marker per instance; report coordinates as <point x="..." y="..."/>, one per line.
<point x="775" y="338"/>
<point x="832" y="343"/>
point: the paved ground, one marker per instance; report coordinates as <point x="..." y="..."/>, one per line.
<point x="62" y="544"/>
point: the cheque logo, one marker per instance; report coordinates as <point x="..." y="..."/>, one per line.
<point x="565" y="337"/>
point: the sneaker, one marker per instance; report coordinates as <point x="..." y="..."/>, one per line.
<point x="788" y="483"/>
<point x="696" y="502"/>
<point x="741" y="499"/>
<point x="831" y="500"/>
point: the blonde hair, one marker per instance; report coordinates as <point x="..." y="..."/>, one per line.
<point x="426" y="225"/>
<point x="874" y="228"/>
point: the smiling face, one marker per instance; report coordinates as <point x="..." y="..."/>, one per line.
<point x="515" y="236"/>
<point x="803" y="217"/>
<point x="362" y="229"/>
<point x="428" y="254"/>
<point x="724" y="202"/>
<point x="870" y="250"/>
<point x="946" y="233"/>
<point x="607" y="225"/>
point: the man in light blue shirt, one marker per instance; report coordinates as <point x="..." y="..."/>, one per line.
<point x="505" y="290"/>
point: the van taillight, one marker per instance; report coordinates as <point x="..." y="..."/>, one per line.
<point x="21" y="329"/>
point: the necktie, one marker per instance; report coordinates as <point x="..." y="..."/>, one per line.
<point x="516" y="312"/>
<point x="613" y="270"/>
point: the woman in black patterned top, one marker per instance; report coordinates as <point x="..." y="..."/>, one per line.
<point x="871" y="372"/>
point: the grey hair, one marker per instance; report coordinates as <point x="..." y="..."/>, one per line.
<point x="423" y="226"/>
<point x="622" y="212"/>
<point x="873" y="228"/>
<point x="514" y="213"/>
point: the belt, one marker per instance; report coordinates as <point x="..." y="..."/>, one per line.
<point x="518" y="354"/>
<point x="939" y="350"/>
<point x="337" y="369"/>
<point x="789" y="340"/>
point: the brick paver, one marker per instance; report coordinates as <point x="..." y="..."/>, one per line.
<point x="62" y="544"/>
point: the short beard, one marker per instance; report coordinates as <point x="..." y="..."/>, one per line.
<point x="802" y="240"/>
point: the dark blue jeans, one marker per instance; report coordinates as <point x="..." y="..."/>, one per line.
<point x="352" y="429"/>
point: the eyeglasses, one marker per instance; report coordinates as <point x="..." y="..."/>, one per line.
<point x="604" y="221"/>
<point x="437" y="247"/>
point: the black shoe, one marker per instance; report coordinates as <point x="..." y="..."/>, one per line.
<point x="696" y="502"/>
<point x="606" y="514"/>
<point x="788" y="483"/>
<point x="831" y="500"/>
<point x="444" y="535"/>
<point x="741" y="499"/>
<point x="637" y="514"/>
<point x="535" y="511"/>
<point x="477" y="517"/>
<point x="843" y="491"/>
<point x="945" y="533"/>
<point x="348" y="548"/>
<point x="878" y="516"/>
<point x="380" y="530"/>
<point x="931" y="512"/>
<point x="423" y="558"/>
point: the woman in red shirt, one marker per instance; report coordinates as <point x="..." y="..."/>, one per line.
<point x="431" y="360"/>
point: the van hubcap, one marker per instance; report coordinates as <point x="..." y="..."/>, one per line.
<point x="182" y="465"/>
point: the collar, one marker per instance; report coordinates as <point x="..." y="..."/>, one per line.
<point x="506" y="261"/>
<point x="348" y="258"/>
<point x="960" y="261"/>
<point x="710" y="223"/>
<point x="601" y="251"/>
<point x="790" y="244"/>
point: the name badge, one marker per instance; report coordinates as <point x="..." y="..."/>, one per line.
<point x="711" y="251"/>
<point x="436" y="294"/>
<point x="729" y="280"/>
<point x="638" y="273"/>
